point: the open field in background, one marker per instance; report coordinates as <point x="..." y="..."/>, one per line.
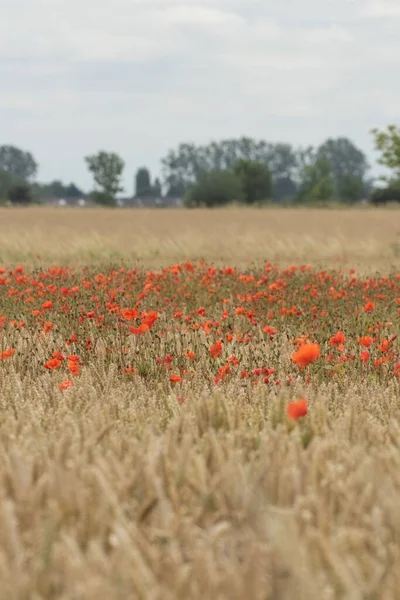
<point x="178" y="429"/>
<point x="365" y="238"/>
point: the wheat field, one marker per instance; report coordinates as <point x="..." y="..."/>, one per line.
<point x="199" y="404"/>
<point x="364" y="238"/>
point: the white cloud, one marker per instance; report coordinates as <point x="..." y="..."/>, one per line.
<point x="199" y="16"/>
<point x="138" y="76"/>
<point x="382" y="8"/>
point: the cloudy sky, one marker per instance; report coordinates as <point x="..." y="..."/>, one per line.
<point x="139" y="76"/>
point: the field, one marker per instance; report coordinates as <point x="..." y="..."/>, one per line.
<point x="199" y="404"/>
<point x="368" y="239"/>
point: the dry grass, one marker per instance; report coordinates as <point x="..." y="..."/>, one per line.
<point x="364" y="238"/>
<point x="113" y="489"/>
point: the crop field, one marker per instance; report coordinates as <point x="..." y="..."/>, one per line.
<point x="199" y="404"/>
<point x="367" y="239"/>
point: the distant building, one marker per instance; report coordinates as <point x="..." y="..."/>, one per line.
<point x="56" y="201"/>
<point x="150" y="202"/>
<point x="121" y="202"/>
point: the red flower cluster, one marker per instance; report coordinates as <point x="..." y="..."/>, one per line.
<point x="197" y="321"/>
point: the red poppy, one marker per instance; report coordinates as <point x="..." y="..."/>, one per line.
<point x="5" y="354"/>
<point x="53" y="363"/>
<point x="66" y="384"/>
<point x="306" y="354"/>
<point x="337" y="339"/>
<point x="297" y="409"/>
<point x="216" y="349"/>
<point x="365" y="341"/>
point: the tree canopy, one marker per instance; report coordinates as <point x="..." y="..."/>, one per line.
<point x="143" y="187"/>
<point x="19" y="164"/>
<point x="387" y="142"/>
<point x="215" y="188"/>
<point x="106" y="168"/>
<point x="183" y="166"/>
<point x="256" y="180"/>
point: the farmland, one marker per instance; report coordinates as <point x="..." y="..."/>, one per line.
<point x="199" y="404"/>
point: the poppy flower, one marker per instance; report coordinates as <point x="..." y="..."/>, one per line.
<point x="365" y="355"/>
<point x="337" y="339"/>
<point x="306" y="354"/>
<point x="365" y="341"/>
<point x="74" y="367"/>
<point x="129" y="313"/>
<point x="129" y="371"/>
<point x="7" y="353"/>
<point x="271" y="330"/>
<point x="297" y="409"/>
<point x="48" y="326"/>
<point x="139" y="330"/>
<point x="369" y="306"/>
<point x="216" y="349"/>
<point x="66" y="384"/>
<point x="53" y="363"/>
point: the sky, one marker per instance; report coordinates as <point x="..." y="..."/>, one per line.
<point x="138" y="77"/>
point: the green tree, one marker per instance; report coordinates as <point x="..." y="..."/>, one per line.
<point x="58" y="189"/>
<point x="344" y="156"/>
<point x="6" y="183"/>
<point x="381" y="196"/>
<point x="20" y="194"/>
<point x="256" y="180"/>
<point x="157" y="189"/>
<point x="317" y="182"/>
<point x="351" y="188"/>
<point x="282" y="161"/>
<point x="143" y="187"/>
<point x="55" y="188"/>
<point x="106" y="168"/>
<point x="349" y="167"/>
<point x="284" y="188"/>
<point x="388" y="144"/>
<point x="182" y="167"/>
<point x="102" y="198"/>
<point x="18" y="163"/>
<point x="72" y="191"/>
<point x="215" y="188"/>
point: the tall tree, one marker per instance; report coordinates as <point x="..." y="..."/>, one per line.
<point x="106" y="168"/>
<point x="282" y="162"/>
<point x="72" y="191"/>
<point x="317" y="182"/>
<point x="351" y="188"/>
<point x="20" y="194"/>
<point x="157" y="188"/>
<point x="18" y="163"/>
<point x="143" y="188"/>
<point x="215" y="188"/>
<point x="349" y="166"/>
<point x="182" y="167"/>
<point x="58" y="189"/>
<point x="256" y="180"/>
<point x="6" y="183"/>
<point x="387" y="142"/>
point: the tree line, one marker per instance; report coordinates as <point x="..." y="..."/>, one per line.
<point x="242" y="170"/>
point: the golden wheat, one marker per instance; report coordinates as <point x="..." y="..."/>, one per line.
<point x="112" y="489"/>
<point x="361" y="237"/>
